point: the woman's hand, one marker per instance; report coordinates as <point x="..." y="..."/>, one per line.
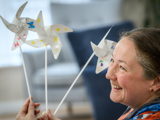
<point x="28" y="112"/>
<point x="47" y="117"/>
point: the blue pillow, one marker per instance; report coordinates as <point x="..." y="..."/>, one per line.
<point x="80" y="40"/>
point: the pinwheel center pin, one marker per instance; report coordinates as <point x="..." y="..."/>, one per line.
<point x="31" y="24"/>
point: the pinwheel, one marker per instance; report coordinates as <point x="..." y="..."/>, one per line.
<point x="101" y="54"/>
<point x="20" y="27"/>
<point x="104" y="52"/>
<point x="49" y="37"/>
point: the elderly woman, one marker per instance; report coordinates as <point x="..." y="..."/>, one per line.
<point x="134" y="74"/>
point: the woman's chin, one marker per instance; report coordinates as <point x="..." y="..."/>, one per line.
<point x="115" y="98"/>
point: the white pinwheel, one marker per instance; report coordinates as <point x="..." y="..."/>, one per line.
<point x="49" y="36"/>
<point x="104" y="52"/>
<point x="100" y="52"/>
<point x="20" y="27"/>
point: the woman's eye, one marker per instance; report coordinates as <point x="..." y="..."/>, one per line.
<point x="123" y="68"/>
<point x="111" y="60"/>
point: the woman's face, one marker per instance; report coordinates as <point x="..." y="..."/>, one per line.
<point x="129" y="86"/>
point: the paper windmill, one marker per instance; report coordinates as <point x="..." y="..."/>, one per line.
<point x="104" y="52"/>
<point x="20" y="27"/>
<point x="100" y="51"/>
<point x="49" y="36"/>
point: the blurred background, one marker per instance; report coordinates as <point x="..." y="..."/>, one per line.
<point x="79" y="15"/>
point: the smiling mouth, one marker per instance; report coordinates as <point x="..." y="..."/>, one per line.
<point x="116" y="87"/>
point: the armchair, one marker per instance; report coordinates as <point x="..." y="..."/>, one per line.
<point x="98" y="87"/>
<point x="63" y="71"/>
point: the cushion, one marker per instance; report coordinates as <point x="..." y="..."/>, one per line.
<point x="80" y="40"/>
<point x="60" y="74"/>
<point x="56" y="94"/>
<point x="37" y="58"/>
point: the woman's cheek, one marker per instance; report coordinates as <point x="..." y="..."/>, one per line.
<point x="122" y="79"/>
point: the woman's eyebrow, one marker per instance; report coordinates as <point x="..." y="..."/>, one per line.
<point x="122" y="61"/>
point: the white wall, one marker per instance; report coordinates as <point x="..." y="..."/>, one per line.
<point x="11" y="89"/>
<point x="11" y="83"/>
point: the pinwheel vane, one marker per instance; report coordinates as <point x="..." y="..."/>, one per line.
<point x="104" y="52"/>
<point x="49" y="36"/>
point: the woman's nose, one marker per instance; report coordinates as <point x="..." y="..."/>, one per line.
<point x="111" y="73"/>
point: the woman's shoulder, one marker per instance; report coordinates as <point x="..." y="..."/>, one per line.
<point x="150" y="110"/>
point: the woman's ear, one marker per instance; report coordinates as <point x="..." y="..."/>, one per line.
<point x="156" y="84"/>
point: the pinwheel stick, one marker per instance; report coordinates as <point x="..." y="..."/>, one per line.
<point x="25" y="73"/>
<point x="80" y="73"/>
<point x="74" y="82"/>
<point x="46" y="93"/>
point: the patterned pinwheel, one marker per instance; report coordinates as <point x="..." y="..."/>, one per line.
<point x="104" y="52"/>
<point x="20" y="27"/>
<point x="49" y="36"/>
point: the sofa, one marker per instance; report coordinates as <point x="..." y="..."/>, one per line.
<point x="98" y="87"/>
